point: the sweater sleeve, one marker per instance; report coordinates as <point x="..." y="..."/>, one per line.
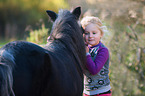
<point x="95" y="66"/>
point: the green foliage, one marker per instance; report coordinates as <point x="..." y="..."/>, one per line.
<point x="36" y="6"/>
<point x="38" y="36"/>
<point x="127" y="58"/>
<point x="22" y="13"/>
<point x="2" y="43"/>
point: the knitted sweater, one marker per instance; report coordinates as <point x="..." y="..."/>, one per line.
<point x="96" y="79"/>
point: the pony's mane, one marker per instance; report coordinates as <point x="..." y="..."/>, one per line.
<point x="66" y="30"/>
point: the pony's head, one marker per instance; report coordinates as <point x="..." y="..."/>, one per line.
<point x="63" y="22"/>
<point x="53" y="16"/>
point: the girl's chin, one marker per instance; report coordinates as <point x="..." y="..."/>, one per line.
<point x="92" y="44"/>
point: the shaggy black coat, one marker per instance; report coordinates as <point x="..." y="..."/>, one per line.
<point x="26" y="69"/>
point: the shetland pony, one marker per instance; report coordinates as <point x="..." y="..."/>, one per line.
<point x="27" y="69"/>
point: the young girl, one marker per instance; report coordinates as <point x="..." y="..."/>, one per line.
<point x="96" y="79"/>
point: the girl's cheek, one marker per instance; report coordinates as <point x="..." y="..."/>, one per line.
<point x="86" y="37"/>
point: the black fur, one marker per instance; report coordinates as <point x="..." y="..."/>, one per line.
<point x="27" y="69"/>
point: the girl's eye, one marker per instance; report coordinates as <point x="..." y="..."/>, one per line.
<point x="94" y="33"/>
<point x="86" y="33"/>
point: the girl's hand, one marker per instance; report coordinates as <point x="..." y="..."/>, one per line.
<point x="87" y="49"/>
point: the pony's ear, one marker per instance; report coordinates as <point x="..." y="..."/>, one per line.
<point x="52" y="15"/>
<point x="77" y="12"/>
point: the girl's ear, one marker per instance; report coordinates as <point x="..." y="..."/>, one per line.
<point x="102" y="33"/>
<point x="77" y="12"/>
<point x="52" y="15"/>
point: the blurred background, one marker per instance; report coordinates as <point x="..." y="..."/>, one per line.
<point x="125" y="20"/>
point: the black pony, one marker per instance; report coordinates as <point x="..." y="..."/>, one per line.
<point x="27" y="69"/>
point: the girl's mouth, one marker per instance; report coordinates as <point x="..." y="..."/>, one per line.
<point x="90" y="40"/>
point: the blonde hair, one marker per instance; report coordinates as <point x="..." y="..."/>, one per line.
<point x="93" y="20"/>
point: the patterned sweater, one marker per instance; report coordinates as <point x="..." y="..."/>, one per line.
<point x="96" y="78"/>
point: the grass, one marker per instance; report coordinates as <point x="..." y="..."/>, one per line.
<point x="2" y="43"/>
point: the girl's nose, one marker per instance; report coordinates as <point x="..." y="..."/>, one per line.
<point x="90" y="35"/>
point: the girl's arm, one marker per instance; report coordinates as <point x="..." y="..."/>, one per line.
<point x="95" y="66"/>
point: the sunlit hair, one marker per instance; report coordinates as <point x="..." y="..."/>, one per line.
<point x="94" y="20"/>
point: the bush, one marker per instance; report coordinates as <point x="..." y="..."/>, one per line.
<point x="38" y="36"/>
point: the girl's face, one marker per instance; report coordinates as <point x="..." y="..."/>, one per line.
<point x="92" y="34"/>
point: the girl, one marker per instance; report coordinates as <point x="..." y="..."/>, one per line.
<point x="96" y="78"/>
